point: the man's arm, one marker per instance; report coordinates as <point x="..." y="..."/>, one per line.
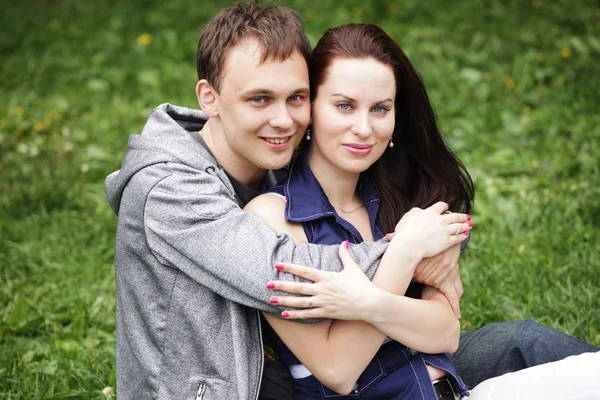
<point x="193" y="224"/>
<point x="442" y="272"/>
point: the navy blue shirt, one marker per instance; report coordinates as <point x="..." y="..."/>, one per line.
<point x="307" y="203"/>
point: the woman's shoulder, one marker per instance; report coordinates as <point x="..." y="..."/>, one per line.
<point x="263" y="202"/>
<point x="270" y="206"/>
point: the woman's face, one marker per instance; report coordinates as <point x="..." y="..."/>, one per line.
<point x="353" y="114"/>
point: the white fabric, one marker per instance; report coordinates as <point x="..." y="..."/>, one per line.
<point x="299" y="371"/>
<point x="574" y="378"/>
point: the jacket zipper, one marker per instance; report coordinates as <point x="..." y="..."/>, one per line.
<point x="262" y="354"/>
<point x="201" y="391"/>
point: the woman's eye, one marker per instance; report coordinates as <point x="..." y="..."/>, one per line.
<point x="344" y="106"/>
<point x="380" y="110"/>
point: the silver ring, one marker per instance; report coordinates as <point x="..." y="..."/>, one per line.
<point x="310" y="302"/>
<point x="457" y="229"/>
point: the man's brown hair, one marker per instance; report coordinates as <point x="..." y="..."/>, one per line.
<point x="278" y="30"/>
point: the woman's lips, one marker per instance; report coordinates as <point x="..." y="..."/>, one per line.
<point x="358" y="149"/>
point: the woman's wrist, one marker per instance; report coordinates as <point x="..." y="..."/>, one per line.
<point x="376" y="306"/>
<point x="403" y="246"/>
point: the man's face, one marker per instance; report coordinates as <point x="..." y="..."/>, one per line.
<point x="263" y="108"/>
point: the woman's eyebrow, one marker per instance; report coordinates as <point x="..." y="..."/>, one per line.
<point x="344" y="96"/>
<point x="350" y="99"/>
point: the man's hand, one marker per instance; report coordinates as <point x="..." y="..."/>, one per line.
<point x="442" y="272"/>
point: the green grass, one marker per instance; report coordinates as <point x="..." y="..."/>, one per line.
<point x="515" y="86"/>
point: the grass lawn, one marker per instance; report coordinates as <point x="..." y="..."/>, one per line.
<point x="515" y="85"/>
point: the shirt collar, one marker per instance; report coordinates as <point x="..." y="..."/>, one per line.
<point x="306" y="200"/>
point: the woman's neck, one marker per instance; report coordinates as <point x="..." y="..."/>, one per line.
<point x="338" y="185"/>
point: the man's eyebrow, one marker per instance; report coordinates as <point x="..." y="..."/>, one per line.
<point x="257" y="92"/>
<point x="268" y="92"/>
<point x="304" y="90"/>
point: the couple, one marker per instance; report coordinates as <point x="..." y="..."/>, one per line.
<point x="192" y="268"/>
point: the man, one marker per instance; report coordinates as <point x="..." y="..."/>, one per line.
<point x="191" y="267"/>
<point x="188" y="262"/>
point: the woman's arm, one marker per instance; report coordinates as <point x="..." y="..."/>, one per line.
<point x="338" y="352"/>
<point x="427" y="324"/>
<point x="400" y="317"/>
<point x="381" y="303"/>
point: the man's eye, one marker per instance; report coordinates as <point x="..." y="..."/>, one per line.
<point x="294" y="98"/>
<point x="258" y="100"/>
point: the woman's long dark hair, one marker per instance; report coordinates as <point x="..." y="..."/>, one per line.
<point x="420" y="169"/>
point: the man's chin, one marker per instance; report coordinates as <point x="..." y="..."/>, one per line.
<point x="278" y="162"/>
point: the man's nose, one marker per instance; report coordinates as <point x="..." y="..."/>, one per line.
<point x="281" y="118"/>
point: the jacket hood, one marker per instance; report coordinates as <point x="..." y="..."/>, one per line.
<point x="165" y="138"/>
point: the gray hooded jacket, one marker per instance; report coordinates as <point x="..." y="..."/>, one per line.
<point x="191" y="269"/>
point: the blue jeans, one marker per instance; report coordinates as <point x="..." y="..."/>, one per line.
<point x="505" y="347"/>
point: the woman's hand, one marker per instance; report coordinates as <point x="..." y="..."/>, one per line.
<point x="345" y="295"/>
<point x="431" y="231"/>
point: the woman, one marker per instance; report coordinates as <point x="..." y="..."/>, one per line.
<point x="375" y="153"/>
<point x="373" y="141"/>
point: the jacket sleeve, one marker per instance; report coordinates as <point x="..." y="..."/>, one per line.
<point x="193" y="224"/>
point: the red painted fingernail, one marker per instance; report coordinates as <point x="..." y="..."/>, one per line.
<point x="468" y="217"/>
<point x="466" y="233"/>
<point x="271" y="285"/>
<point x="285" y="314"/>
<point x="274" y="300"/>
<point x="345" y="244"/>
<point x="470" y="224"/>
<point x="448" y="205"/>
<point x="279" y="267"/>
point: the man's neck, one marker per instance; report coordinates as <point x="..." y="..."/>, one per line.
<point x="246" y="173"/>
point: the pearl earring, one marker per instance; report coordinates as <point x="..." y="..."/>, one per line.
<point x="391" y="144"/>
<point x="308" y="134"/>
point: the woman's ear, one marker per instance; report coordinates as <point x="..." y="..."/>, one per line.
<point x="207" y="98"/>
